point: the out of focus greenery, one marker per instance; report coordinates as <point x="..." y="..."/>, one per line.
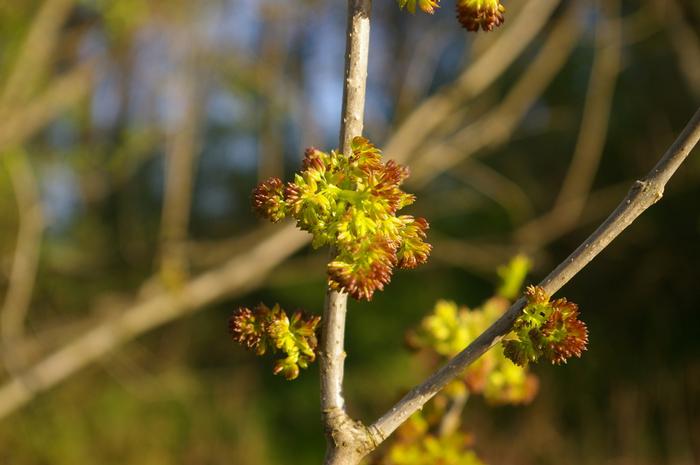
<point x="267" y="77"/>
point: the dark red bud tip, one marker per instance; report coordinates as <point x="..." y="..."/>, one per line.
<point x="268" y="199"/>
<point x="243" y="328"/>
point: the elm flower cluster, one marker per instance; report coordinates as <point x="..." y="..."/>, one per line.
<point x="449" y="329"/>
<point x="349" y="202"/>
<point x="418" y="443"/>
<point x="428" y="6"/>
<point x="484" y="14"/>
<point x="472" y="14"/>
<point x="546" y="329"/>
<point x="265" y="329"/>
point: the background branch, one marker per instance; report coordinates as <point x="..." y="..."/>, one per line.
<point x="238" y="275"/>
<point x="430" y="114"/>
<point x="25" y="261"/>
<point x="180" y="168"/>
<point x="591" y="138"/>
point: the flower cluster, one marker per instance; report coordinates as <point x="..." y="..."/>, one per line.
<point x="265" y="329"/>
<point x="546" y="329"/>
<point x="416" y="444"/>
<point x="472" y="14"/>
<point x="449" y="329"/>
<point x="484" y="14"/>
<point x="350" y="201"/>
<point x="428" y="6"/>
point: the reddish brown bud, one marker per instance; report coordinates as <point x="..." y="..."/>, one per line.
<point x="268" y="199"/>
<point x="247" y="329"/>
<point x="313" y="160"/>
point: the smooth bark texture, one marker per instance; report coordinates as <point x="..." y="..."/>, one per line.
<point x="347" y="439"/>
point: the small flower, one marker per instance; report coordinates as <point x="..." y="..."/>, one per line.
<point x="484" y="14"/>
<point x="413" y="250"/>
<point x="263" y="329"/>
<point x="566" y="335"/>
<point x="361" y="269"/>
<point x="545" y="329"/>
<point x="248" y="328"/>
<point x="268" y="199"/>
<point x="449" y="329"/>
<point x="428" y="6"/>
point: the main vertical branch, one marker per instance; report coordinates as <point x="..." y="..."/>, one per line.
<point x="345" y="437"/>
<point x="355" y="83"/>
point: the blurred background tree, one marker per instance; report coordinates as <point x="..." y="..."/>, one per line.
<point x="131" y="135"/>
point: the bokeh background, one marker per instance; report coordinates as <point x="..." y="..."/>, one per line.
<point x="132" y="132"/>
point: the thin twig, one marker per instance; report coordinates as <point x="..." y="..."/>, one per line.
<point x="343" y="434"/>
<point x="498" y="124"/>
<point x="35" y="54"/>
<point x="684" y="40"/>
<point x="25" y="261"/>
<point x="453" y="416"/>
<point x="427" y="117"/>
<point x="63" y="92"/>
<point x="180" y="168"/>
<point x="577" y="183"/>
<point x="641" y="196"/>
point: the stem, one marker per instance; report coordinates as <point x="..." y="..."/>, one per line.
<point x="642" y="195"/>
<point x="348" y="441"/>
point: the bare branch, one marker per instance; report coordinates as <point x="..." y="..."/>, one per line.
<point x="684" y="40"/>
<point x="428" y="116"/>
<point x="25" y="261"/>
<point x="34" y="56"/>
<point x="240" y="274"/>
<point x="344" y="436"/>
<point x="498" y="124"/>
<point x="180" y="169"/>
<point x="591" y="138"/>
<point x="63" y="92"/>
<point x="641" y="196"/>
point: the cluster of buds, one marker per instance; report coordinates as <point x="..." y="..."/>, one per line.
<point x="265" y="329"/>
<point x="546" y="329"/>
<point x="349" y="202"/>
<point x="428" y="6"/>
<point x="480" y="14"/>
<point x="418" y="444"/>
<point x="449" y="329"/>
<point x="472" y="14"/>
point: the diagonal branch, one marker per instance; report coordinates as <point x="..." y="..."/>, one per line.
<point x="643" y="194"/>
<point x="432" y="112"/>
<point x="238" y="275"/>
<point x="498" y="124"/>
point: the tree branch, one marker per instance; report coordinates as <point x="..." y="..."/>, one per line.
<point x="180" y="166"/>
<point x="347" y="439"/>
<point x="578" y="180"/>
<point x="24" y="263"/>
<point x="498" y="124"/>
<point x="238" y="275"/>
<point x="432" y="112"/>
<point x="643" y="194"/>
